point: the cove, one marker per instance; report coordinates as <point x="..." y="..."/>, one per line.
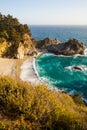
<point x="60" y="72"/>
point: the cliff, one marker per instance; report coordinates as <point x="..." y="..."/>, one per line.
<point x="11" y="50"/>
<point x="15" y="38"/>
<point x="26" y="48"/>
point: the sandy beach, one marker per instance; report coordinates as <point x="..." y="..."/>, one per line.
<point x="29" y="73"/>
<point x="11" y="67"/>
<point x="7" y="67"/>
<point x="23" y="69"/>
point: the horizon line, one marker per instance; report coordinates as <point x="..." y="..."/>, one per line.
<point x="57" y="24"/>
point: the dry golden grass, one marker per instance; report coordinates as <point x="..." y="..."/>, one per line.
<point x="27" y="107"/>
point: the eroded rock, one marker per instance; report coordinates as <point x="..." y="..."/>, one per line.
<point x="71" y="47"/>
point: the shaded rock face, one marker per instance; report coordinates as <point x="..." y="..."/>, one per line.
<point x="20" y="51"/>
<point x="3" y="47"/>
<point x="71" y="47"/>
<point x="26" y="48"/>
<point x="17" y="50"/>
<point x="41" y="44"/>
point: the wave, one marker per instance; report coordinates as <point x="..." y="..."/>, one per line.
<point x="77" y="67"/>
<point x="35" y="70"/>
<point x="85" y="52"/>
<point x="41" y="79"/>
<point x="84" y="99"/>
<point x="66" y="74"/>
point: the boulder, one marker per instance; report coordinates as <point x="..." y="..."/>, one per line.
<point x="71" y="47"/>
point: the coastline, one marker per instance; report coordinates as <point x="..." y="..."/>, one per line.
<point x="24" y="69"/>
<point x="29" y="72"/>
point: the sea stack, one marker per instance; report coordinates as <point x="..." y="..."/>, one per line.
<point x="69" y="48"/>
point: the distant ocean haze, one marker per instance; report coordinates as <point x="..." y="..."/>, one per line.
<point x="63" y="33"/>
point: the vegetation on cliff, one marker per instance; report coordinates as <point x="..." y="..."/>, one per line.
<point x="11" y="29"/>
<point x="26" y="107"/>
<point x="13" y="34"/>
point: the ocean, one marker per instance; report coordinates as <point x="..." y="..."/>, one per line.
<point x="59" y="71"/>
<point x="63" y="33"/>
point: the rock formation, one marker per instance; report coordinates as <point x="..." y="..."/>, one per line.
<point x="3" y="47"/>
<point x="9" y="49"/>
<point x="26" y="48"/>
<point x="20" y="51"/>
<point x="71" y="47"/>
<point x="41" y="44"/>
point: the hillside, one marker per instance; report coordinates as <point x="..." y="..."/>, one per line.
<point x="26" y="107"/>
<point x="15" y="38"/>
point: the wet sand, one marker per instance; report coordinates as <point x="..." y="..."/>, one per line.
<point x="28" y="72"/>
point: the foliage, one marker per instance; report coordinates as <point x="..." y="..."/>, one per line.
<point x="11" y="29"/>
<point x="13" y="33"/>
<point x="78" y="99"/>
<point x="27" y="107"/>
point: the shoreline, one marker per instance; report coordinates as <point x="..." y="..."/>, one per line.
<point x="35" y="69"/>
<point x="29" y="72"/>
<point x="25" y="70"/>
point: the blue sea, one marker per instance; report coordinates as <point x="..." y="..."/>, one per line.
<point x="57" y="70"/>
<point x="63" y="33"/>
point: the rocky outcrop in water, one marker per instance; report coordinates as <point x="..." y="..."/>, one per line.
<point x="41" y="44"/>
<point x="77" y="68"/>
<point x="71" y="47"/>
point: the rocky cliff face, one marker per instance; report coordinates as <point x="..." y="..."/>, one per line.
<point x="26" y="48"/>
<point x="71" y="47"/>
<point x="20" y="51"/>
<point x="3" y="46"/>
<point x="17" y="50"/>
<point x="29" y="47"/>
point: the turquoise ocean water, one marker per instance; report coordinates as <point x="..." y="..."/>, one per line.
<point x="53" y="69"/>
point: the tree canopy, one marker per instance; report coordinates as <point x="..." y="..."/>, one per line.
<point x="11" y="29"/>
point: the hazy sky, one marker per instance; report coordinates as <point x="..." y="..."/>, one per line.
<point x="50" y="12"/>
